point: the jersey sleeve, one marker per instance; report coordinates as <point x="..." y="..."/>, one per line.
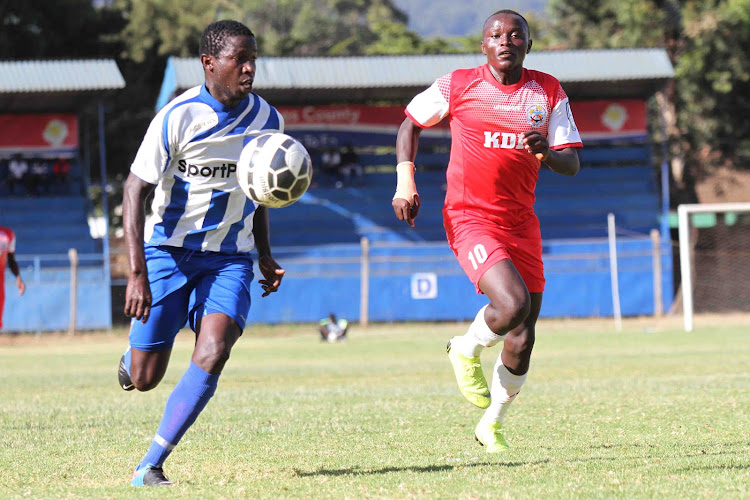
<point x="429" y="107"/>
<point x="153" y="154"/>
<point x="562" y="132"/>
<point x="11" y="241"/>
<point x="281" y="120"/>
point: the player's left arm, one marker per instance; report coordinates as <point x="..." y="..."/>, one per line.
<point x="13" y="265"/>
<point x="271" y="270"/>
<point x="564" y="161"/>
<point x="558" y="149"/>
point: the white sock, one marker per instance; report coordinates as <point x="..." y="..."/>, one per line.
<point x="505" y="388"/>
<point x="479" y="336"/>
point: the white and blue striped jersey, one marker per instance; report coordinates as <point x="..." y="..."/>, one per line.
<point x="190" y="153"/>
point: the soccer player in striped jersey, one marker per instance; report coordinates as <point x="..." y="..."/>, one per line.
<point x="195" y="266"/>
<point x="505" y="122"/>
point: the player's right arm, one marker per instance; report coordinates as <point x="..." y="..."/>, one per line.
<point x="138" y="291"/>
<point x="13" y="265"/>
<point x="427" y="108"/>
<point x="406" y="200"/>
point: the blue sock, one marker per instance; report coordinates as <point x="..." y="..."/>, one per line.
<point x="189" y="397"/>
<point x="127" y="360"/>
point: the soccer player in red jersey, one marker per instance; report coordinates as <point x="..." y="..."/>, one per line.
<point x="505" y="122"/>
<point x="7" y="254"/>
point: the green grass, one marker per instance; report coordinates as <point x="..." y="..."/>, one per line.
<point x="650" y="412"/>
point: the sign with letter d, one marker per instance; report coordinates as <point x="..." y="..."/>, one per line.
<point x="424" y="286"/>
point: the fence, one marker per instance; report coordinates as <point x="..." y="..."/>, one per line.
<point x="49" y="304"/>
<point x="372" y="281"/>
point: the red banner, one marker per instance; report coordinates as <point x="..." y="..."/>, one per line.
<point x="42" y="132"/>
<point x="608" y="119"/>
<point x="616" y="118"/>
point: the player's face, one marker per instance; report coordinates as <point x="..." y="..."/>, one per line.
<point x="229" y="75"/>
<point x="505" y="42"/>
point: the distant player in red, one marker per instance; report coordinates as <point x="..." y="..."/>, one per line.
<point x="505" y="122"/>
<point x="7" y="253"/>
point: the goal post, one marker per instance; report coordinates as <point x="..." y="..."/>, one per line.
<point x="714" y="258"/>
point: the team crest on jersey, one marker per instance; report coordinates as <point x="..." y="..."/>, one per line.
<point x="536" y="115"/>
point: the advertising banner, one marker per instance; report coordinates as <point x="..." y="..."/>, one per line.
<point x="322" y="126"/>
<point x="52" y="132"/>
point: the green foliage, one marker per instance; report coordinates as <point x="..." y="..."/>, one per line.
<point x="638" y="414"/>
<point x="55" y="29"/>
<point x="713" y="74"/>
<point x="707" y="42"/>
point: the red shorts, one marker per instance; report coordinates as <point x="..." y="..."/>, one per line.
<point x="480" y="244"/>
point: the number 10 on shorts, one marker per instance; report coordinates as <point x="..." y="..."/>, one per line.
<point x="477" y="256"/>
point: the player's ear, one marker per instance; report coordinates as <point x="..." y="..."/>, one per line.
<point x="484" y="50"/>
<point x="528" y="49"/>
<point x="207" y="62"/>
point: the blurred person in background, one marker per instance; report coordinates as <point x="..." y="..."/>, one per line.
<point x="8" y="254"/>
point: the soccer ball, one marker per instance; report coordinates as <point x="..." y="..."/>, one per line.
<point x="274" y="170"/>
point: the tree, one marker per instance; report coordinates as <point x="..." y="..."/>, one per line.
<point x="707" y="43"/>
<point x="56" y="29"/>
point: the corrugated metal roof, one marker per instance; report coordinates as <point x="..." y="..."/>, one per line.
<point x="422" y="70"/>
<point x="59" y="76"/>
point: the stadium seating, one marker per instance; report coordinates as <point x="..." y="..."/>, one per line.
<point x="48" y="225"/>
<point x="613" y="179"/>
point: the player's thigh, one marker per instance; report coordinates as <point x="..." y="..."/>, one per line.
<point x="504" y="287"/>
<point x="168" y="316"/>
<point x="224" y="287"/>
<point x="479" y="250"/>
<point x="217" y="334"/>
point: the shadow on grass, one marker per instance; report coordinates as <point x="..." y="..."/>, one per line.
<point x="358" y="471"/>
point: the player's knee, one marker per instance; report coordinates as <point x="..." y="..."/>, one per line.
<point x="212" y="355"/>
<point x="144" y="382"/>
<point x="510" y="314"/>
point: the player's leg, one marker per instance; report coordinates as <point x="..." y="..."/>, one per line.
<point x="484" y="257"/>
<point x="508" y="377"/>
<point x="145" y="362"/>
<point x="221" y="305"/>
<point x="509" y="305"/>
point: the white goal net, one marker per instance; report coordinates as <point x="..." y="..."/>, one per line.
<point x="714" y="258"/>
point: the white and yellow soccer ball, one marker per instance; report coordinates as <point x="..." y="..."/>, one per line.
<point x="274" y="170"/>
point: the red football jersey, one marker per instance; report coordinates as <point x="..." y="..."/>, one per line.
<point x="7" y="245"/>
<point x="490" y="175"/>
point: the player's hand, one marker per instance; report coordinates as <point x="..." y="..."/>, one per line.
<point x="138" y="298"/>
<point x="272" y="274"/>
<point x="536" y="144"/>
<point x="405" y="210"/>
<point x="21" y="285"/>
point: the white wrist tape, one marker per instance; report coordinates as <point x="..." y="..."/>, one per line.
<point x="405" y="186"/>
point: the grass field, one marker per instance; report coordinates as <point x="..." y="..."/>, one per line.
<point x="650" y="412"/>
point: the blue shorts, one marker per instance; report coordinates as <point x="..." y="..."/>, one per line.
<point x="187" y="285"/>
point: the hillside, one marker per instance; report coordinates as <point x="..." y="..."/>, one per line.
<point x="446" y="18"/>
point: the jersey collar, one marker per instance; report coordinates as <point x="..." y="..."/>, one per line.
<point x="206" y="97"/>
<point x="507" y="89"/>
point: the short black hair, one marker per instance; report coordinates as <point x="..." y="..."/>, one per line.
<point x="511" y="12"/>
<point x="215" y="35"/>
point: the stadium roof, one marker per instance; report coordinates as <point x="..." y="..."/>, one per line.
<point x="319" y="80"/>
<point x="55" y="85"/>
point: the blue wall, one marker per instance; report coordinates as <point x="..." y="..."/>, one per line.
<point x="46" y="303"/>
<point x="578" y="282"/>
<point x="46" y="227"/>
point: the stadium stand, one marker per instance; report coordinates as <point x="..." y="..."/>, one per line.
<point x="613" y="179"/>
<point x="49" y="225"/>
